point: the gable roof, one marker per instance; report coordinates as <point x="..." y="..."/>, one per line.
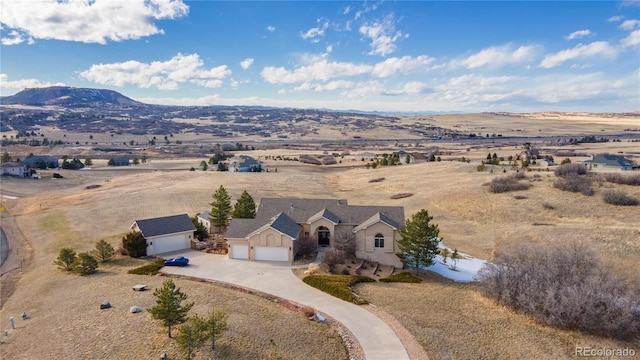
<point x="324" y="214"/>
<point x="204" y="215"/>
<point x="376" y="218"/>
<point x="165" y="225"/>
<point x="283" y="224"/>
<point x="610" y="160"/>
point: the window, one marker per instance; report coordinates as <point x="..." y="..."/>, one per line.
<point x="378" y="241"/>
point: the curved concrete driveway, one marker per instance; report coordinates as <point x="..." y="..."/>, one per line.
<point x="376" y="338"/>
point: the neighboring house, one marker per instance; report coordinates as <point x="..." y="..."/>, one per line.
<point x="402" y="155"/>
<point x="121" y="161"/>
<point x="418" y="157"/>
<point x="546" y="162"/>
<point x="365" y="156"/>
<point x="203" y="219"/>
<point x="246" y="164"/>
<point x="609" y="160"/>
<point x="42" y="162"/>
<point x="17" y="169"/>
<point x="166" y="234"/>
<point x="279" y="222"/>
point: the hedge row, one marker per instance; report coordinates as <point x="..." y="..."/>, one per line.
<point x="403" y="277"/>
<point x="338" y="286"/>
<point x="151" y="268"/>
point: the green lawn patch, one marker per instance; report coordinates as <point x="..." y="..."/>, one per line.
<point x="338" y="286"/>
<point x="403" y="277"/>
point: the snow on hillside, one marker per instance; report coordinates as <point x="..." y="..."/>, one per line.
<point x="466" y="270"/>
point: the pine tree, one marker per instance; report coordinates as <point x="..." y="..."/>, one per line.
<point x="245" y="207"/>
<point x="216" y="324"/>
<point x="85" y="264"/>
<point x="169" y="308"/>
<point x="220" y="209"/>
<point x="454" y="259"/>
<point x="419" y="243"/>
<point x="104" y="251"/>
<point x="193" y="334"/>
<point x="65" y="259"/>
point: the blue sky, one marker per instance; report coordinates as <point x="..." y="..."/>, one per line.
<point x="375" y="55"/>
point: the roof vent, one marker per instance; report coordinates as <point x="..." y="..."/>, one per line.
<point x="291" y="209"/>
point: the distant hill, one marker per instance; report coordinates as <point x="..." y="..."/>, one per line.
<point x="69" y="97"/>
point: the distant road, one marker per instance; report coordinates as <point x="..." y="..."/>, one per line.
<point x="4" y="247"/>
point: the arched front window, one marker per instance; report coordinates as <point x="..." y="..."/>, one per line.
<point x="378" y="241"/>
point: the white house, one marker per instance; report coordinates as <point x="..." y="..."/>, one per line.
<point x="166" y="234"/>
<point x="18" y="169"/>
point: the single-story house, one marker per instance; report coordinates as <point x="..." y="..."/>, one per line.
<point x="121" y="161"/>
<point x="246" y="164"/>
<point x="166" y="234"/>
<point x="280" y="222"/>
<point x="613" y="161"/>
<point x="365" y="156"/>
<point x="42" y="162"/>
<point x="18" y="169"/>
<point x="203" y="219"/>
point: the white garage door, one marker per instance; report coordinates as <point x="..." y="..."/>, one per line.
<point x="266" y="253"/>
<point x="239" y="251"/>
<point x="169" y="243"/>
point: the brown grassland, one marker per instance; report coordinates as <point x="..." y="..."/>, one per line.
<point x="450" y="320"/>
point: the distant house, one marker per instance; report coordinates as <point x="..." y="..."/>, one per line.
<point x="203" y="219"/>
<point x="418" y="157"/>
<point x="120" y="161"/>
<point x="42" y="162"/>
<point x="365" y="156"/>
<point x="166" y="234"/>
<point x="546" y="162"/>
<point x="246" y="164"/>
<point x="611" y="161"/>
<point x="280" y="222"/>
<point x="17" y="169"/>
<point x="402" y="155"/>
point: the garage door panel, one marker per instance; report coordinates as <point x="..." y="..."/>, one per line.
<point x="267" y="253"/>
<point x="169" y="243"/>
<point x="240" y="251"/>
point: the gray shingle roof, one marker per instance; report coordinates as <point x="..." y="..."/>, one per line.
<point x="165" y="225"/>
<point x="324" y="213"/>
<point x="286" y="225"/>
<point x="377" y="217"/>
<point x="610" y="160"/>
<point x="240" y="228"/>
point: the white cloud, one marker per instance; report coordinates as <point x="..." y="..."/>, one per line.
<point x="95" y="21"/>
<point x="598" y="48"/>
<point x="579" y="34"/>
<point x="631" y="40"/>
<point x="497" y="56"/>
<point x="383" y="36"/>
<point x="316" y="33"/>
<point x="330" y="86"/>
<point x="615" y="18"/>
<point x="271" y="28"/>
<point x="13" y="38"/>
<point x="318" y="68"/>
<point x="405" y="64"/>
<point x="24" y="83"/>
<point x="246" y="63"/>
<point x="346" y="10"/>
<point x="164" y="75"/>
<point x="630" y="24"/>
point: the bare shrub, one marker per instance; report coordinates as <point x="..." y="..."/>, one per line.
<point x="400" y="195"/>
<point x="548" y="206"/>
<point x="346" y="242"/>
<point x="565" y="170"/>
<point x="520" y="197"/>
<point x="306" y="245"/>
<point x="307" y="311"/>
<point x="380" y="179"/>
<point x="519" y="175"/>
<point x="566" y="286"/>
<point x="614" y="197"/>
<point x="333" y="256"/>
<point x="505" y="184"/>
<point x="633" y="180"/>
<point x="575" y="183"/>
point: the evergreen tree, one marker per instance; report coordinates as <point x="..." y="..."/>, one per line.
<point x="104" y="251"/>
<point x="135" y="244"/>
<point x="65" y="259"/>
<point x="216" y="324"/>
<point x="201" y="231"/>
<point x="419" y="243"/>
<point x="193" y="334"/>
<point x="220" y="209"/>
<point x="85" y="264"/>
<point x="5" y="157"/>
<point x="245" y="207"/>
<point x="169" y="308"/>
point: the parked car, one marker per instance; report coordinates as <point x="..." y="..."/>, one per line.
<point x="179" y="261"/>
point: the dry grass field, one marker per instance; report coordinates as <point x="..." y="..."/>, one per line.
<point x="461" y="323"/>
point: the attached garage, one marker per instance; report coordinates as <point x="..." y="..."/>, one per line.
<point x="266" y="253"/>
<point x="239" y="252"/>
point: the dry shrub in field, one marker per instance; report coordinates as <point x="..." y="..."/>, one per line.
<point x="548" y="206"/>
<point x="575" y="183"/>
<point x="614" y="197"/>
<point x="633" y="180"/>
<point x="380" y="179"/>
<point x="333" y="256"/>
<point x="565" y="170"/>
<point x="401" y="195"/>
<point x="566" y="286"/>
<point x="508" y="183"/>
<point x="307" y="311"/>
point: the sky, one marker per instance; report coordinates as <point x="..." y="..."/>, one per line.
<point x="392" y="56"/>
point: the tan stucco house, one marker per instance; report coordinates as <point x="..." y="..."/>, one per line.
<point x="279" y="222"/>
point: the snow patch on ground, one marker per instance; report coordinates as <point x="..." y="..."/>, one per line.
<point x="466" y="270"/>
<point x="9" y="197"/>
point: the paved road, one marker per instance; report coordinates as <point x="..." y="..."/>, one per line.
<point x="375" y="336"/>
<point x="4" y="247"/>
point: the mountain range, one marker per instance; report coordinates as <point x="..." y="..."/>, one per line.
<point x="69" y="97"/>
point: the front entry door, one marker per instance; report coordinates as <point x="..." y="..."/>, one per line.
<point x="323" y="236"/>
